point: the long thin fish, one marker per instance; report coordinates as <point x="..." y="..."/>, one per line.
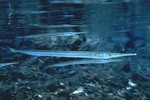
<point x="52" y="34"/>
<point x="85" y="61"/>
<point x="7" y="64"/>
<point x="28" y="12"/>
<point x="56" y="26"/>
<point x="73" y="54"/>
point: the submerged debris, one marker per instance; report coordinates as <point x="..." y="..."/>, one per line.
<point x="79" y="90"/>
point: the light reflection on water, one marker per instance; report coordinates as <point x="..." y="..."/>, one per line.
<point x="118" y="19"/>
<point x="115" y="20"/>
<point x="24" y="19"/>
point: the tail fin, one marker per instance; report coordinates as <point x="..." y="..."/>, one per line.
<point x="10" y="50"/>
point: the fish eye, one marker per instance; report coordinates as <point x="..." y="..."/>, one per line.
<point x="67" y="33"/>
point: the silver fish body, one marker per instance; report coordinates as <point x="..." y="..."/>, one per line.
<point x="73" y="54"/>
<point x="52" y="34"/>
<point x="108" y="55"/>
<point x="7" y="64"/>
<point x="28" y="12"/>
<point x="56" y="26"/>
<point x="85" y="61"/>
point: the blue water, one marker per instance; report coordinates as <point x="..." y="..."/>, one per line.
<point x="112" y="27"/>
<point x="126" y="23"/>
<point x="104" y="20"/>
<point x="120" y="19"/>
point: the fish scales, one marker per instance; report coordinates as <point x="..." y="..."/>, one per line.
<point x="74" y="54"/>
<point x="85" y="61"/>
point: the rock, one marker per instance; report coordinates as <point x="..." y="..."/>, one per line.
<point x="126" y="68"/>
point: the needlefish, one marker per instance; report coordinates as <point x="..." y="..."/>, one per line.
<point x="72" y="54"/>
<point x="7" y="64"/>
<point x="52" y="34"/>
<point x="56" y="26"/>
<point x="85" y="61"/>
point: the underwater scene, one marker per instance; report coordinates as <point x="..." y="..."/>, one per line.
<point x="74" y="49"/>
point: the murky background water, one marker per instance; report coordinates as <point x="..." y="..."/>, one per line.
<point x="119" y="18"/>
<point x="111" y="21"/>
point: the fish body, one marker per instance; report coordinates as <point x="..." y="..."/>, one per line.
<point x="7" y="64"/>
<point x="73" y="54"/>
<point x="52" y="34"/>
<point x="28" y="12"/>
<point x="56" y="26"/>
<point x="85" y="61"/>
